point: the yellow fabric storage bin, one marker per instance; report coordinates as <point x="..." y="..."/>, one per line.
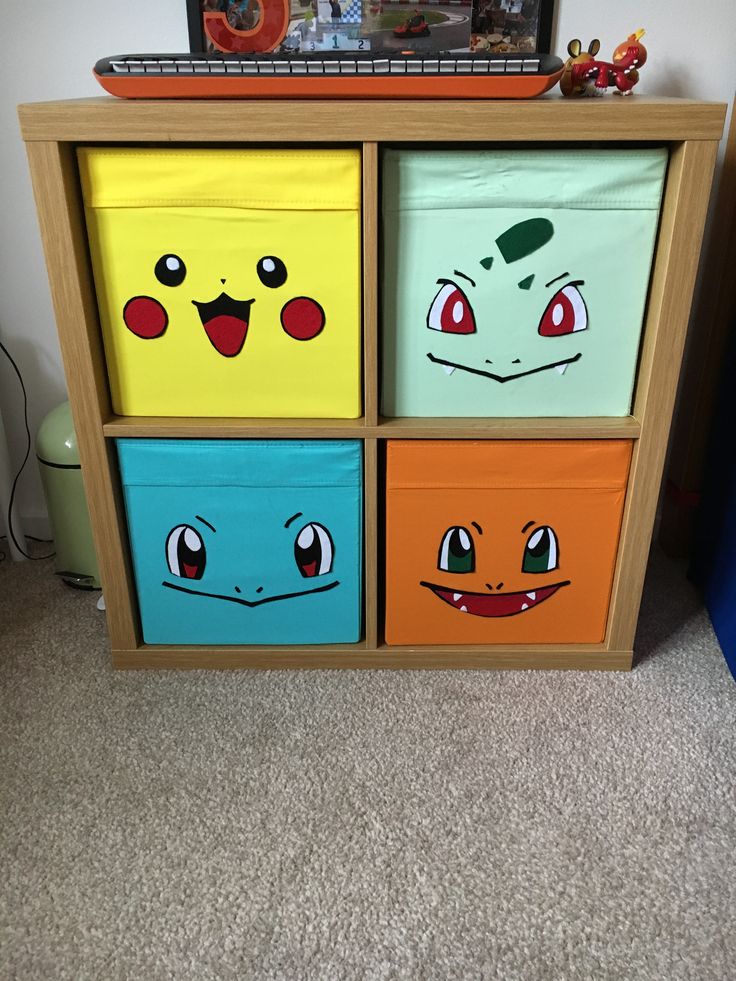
<point x="228" y="281"/>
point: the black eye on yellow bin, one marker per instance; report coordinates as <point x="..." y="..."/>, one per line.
<point x="170" y="270"/>
<point x="271" y="271"/>
<point x="457" y="551"/>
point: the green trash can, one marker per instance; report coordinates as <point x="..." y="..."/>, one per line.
<point x="61" y="476"/>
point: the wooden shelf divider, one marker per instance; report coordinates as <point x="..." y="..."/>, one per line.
<point x="370" y="283"/>
<point x="627" y="427"/>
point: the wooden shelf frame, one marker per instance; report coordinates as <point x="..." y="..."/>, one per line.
<point x="690" y="129"/>
<point x="601" y="427"/>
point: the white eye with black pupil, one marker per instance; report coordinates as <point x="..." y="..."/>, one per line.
<point x="186" y="554"/>
<point x="313" y="550"/>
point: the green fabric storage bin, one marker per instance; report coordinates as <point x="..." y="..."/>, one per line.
<point x="514" y="281"/>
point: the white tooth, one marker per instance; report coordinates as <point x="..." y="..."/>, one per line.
<point x="561" y="368"/>
<point x="463" y="609"/>
<point x="456" y="596"/>
<point x="448" y="368"/>
<point x="525" y="606"/>
<point x="532" y="596"/>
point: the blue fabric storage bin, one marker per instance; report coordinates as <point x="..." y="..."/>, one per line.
<point x="245" y="541"/>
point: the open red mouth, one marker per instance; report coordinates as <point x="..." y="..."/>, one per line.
<point x="225" y="321"/>
<point x="495" y="604"/>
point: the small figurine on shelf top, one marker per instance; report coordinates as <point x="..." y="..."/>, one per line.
<point x="585" y="75"/>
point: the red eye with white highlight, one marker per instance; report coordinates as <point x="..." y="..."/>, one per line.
<point x="566" y="313"/>
<point x="451" y="311"/>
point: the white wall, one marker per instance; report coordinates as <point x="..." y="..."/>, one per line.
<point x="50" y="58"/>
<point x="690" y="45"/>
<point x="691" y="51"/>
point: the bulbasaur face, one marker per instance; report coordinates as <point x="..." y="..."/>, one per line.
<point x="469" y="327"/>
<point x="520" y="290"/>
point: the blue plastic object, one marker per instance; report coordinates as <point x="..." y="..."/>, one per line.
<point x="245" y="541"/>
<point x="713" y="565"/>
<point x="720" y="588"/>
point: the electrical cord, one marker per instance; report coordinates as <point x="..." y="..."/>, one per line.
<point x="11" y="531"/>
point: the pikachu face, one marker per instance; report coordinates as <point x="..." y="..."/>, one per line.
<point x="184" y="292"/>
<point x="214" y="310"/>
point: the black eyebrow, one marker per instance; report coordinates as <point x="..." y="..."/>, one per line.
<point x="458" y="273"/>
<point x="476" y="525"/>
<point x="527" y="525"/>
<point x="561" y="276"/>
<point x="293" y="518"/>
<point x="205" y="523"/>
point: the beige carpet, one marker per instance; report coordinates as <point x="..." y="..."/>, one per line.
<point x="363" y="825"/>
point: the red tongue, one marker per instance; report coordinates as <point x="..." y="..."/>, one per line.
<point x="227" y="334"/>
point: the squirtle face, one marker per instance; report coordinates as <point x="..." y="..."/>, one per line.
<point x="202" y="561"/>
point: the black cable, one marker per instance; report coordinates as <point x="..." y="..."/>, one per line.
<point x="11" y="531"/>
<point x="31" y="538"/>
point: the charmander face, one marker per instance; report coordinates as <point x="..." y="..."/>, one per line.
<point x="471" y="335"/>
<point x="470" y="562"/>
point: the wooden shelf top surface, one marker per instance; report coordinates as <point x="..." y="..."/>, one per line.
<point x="548" y="118"/>
<point x="600" y="427"/>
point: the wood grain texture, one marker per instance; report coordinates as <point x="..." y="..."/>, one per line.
<point x="681" y="227"/>
<point x="549" y="118"/>
<point x="370" y="543"/>
<point x="60" y="215"/>
<point x="440" y="428"/>
<point x="232" y="428"/>
<point x="589" y="427"/>
<point x="370" y="283"/>
<point x="573" y="658"/>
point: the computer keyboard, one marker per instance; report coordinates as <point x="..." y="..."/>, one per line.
<point x="354" y="75"/>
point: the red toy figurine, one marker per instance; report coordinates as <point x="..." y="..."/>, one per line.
<point x="584" y="75"/>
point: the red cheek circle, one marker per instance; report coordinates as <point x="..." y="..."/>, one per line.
<point x="302" y="318"/>
<point x="145" y="317"/>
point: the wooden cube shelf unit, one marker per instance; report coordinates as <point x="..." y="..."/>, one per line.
<point x="691" y="130"/>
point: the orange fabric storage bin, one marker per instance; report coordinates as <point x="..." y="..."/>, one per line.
<point x="502" y="542"/>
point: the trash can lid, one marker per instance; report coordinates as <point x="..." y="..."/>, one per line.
<point x="56" y="441"/>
